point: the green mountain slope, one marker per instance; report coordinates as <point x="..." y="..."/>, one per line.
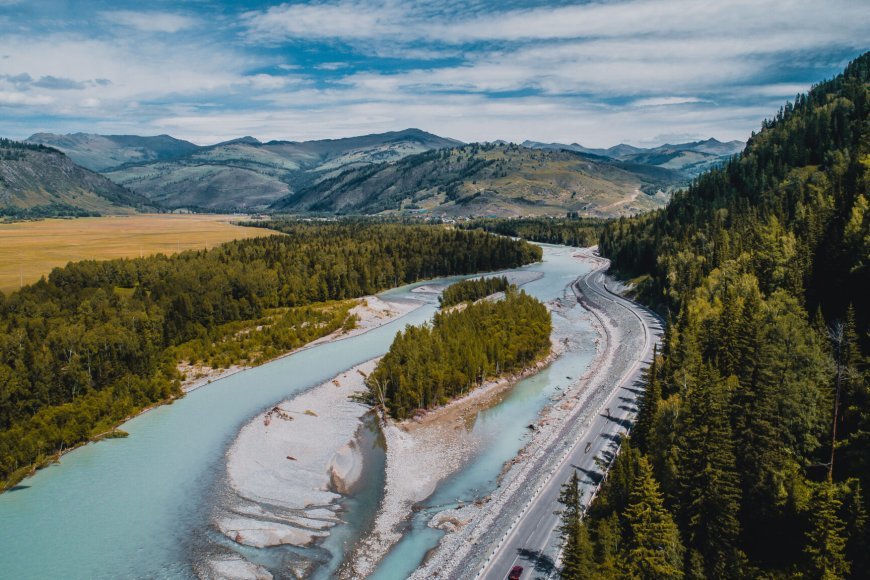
<point x="490" y="179"/>
<point x="756" y="418"/>
<point x="102" y="152"/>
<point x="247" y="174"/>
<point x="36" y="181"/>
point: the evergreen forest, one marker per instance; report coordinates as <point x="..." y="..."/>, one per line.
<point x="431" y="364"/>
<point x="97" y="341"/>
<point x="570" y="231"/>
<point x="750" y="455"/>
<point x="472" y="290"/>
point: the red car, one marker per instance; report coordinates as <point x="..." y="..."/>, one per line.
<point x="516" y="572"/>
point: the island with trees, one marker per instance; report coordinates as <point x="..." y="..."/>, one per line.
<point x="430" y="365"/>
<point x="472" y="290"/>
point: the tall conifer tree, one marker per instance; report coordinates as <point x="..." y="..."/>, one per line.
<point x="652" y="549"/>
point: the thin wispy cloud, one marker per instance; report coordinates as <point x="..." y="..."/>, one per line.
<point x="347" y="20"/>
<point x="666" y="101"/>
<point x="150" y="21"/>
<point x="15" y="99"/>
<point x="595" y="72"/>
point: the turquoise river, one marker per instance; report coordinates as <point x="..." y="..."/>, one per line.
<point x="140" y="507"/>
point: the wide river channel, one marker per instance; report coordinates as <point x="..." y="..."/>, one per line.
<point x="139" y="507"/>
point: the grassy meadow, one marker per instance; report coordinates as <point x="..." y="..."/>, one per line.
<point x="29" y="250"/>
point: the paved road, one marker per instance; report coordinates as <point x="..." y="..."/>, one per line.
<point x="534" y="542"/>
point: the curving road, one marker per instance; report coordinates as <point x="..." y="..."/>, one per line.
<point x="533" y="542"/>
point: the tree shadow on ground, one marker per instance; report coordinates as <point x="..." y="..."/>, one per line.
<point x="624" y="423"/>
<point x="614" y="437"/>
<point x="592" y="476"/>
<point x="540" y="562"/>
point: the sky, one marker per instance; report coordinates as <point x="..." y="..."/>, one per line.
<point x="598" y="73"/>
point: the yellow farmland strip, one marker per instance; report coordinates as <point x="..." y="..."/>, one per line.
<point x="29" y="250"/>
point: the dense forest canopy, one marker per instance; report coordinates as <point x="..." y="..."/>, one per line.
<point x="571" y="231"/>
<point x="98" y="341"/>
<point x="750" y="456"/>
<point x="431" y="364"/>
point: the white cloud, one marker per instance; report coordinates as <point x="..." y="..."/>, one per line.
<point x="127" y="69"/>
<point x="638" y="48"/>
<point x="390" y="20"/>
<point x="150" y="21"/>
<point x="667" y="59"/>
<point x="666" y="101"/>
<point x="313" y="114"/>
<point x="779" y="90"/>
<point x="352" y="20"/>
<point x="332" y="65"/>
<point x="265" y="82"/>
<point x="666" y="18"/>
<point x="18" y="98"/>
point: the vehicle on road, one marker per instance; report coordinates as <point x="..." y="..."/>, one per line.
<point x="516" y="572"/>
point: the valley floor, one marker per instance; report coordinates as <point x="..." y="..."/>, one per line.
<point x="31" y="249"/>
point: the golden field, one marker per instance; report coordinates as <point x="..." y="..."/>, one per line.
<point x="29" y="250"/>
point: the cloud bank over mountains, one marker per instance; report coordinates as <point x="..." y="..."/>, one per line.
<point x="636" y="71"/>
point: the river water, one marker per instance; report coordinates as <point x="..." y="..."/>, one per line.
<point x="138" y="507"/>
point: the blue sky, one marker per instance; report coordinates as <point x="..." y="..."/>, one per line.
<point x="643" y="72"/>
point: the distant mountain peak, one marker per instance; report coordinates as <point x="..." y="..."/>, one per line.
<point x="246" y="140"/>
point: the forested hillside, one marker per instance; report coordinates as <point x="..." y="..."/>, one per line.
<point x="98" y="341"/>
<point x="429" y="365"/>
<point x="750" y="456"/>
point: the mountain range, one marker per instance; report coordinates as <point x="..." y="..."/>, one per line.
<point x="691" y="158"/>
<point x="243" y="174"/>
<point x="491" y="179"/>
<point x="410" y="170"/>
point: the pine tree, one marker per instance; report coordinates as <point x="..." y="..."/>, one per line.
<point x="613" y="496"/>
<point x="708" y="480"/>
<point x="578" y="562"/>
<point x="580" y="548"/>
<point x="570" y="498"/>
<point x="608" y="544"/>
<point x="857" y="527"/>
<point x="855" y="406"/>
<point x="648" y="405"/>
<point x="652" y="549"/>
<point x="826" y="539"/>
